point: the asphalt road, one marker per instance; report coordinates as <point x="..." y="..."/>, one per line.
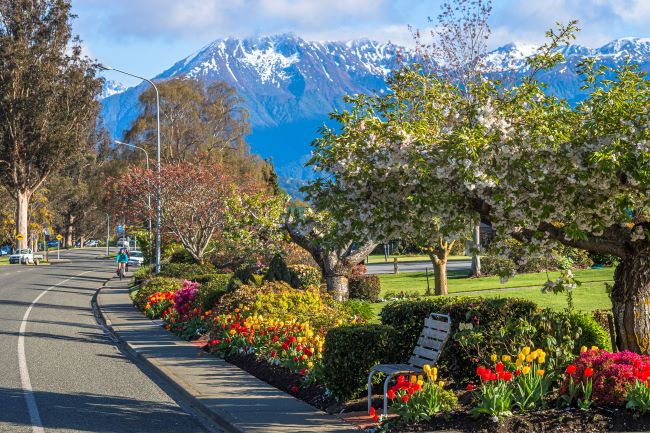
<point x="388" y="268"/>
<point x="61" y="372"/>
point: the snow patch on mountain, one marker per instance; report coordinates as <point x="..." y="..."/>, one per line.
<point x="110" y="88"/>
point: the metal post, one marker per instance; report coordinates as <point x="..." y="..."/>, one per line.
<point x="158" y="205"/>
<point x="108" y="233"/>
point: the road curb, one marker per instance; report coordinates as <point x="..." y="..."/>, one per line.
<point x="221" y="420"/>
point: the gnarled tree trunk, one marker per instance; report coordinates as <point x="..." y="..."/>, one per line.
<point x="438" y="255"/>
<point x="631" y="301"/>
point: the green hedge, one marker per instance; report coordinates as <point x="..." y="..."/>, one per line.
<point x="365" y="287"/>
<point x="211" y="288"/>
<point x="184" y="270"/>
<point x="349" y="354"/>
<point x="501" y="325"/>
<point x="153" y="285"/>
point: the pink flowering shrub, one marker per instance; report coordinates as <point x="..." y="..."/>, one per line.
<point x="613" y="374"/>
<point x="185" y="297"/>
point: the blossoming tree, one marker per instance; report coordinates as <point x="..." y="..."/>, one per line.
<point x="527" y="163"/>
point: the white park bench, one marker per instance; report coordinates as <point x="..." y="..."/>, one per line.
<point x="435" y="333"/>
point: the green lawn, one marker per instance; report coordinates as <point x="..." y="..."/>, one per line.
<point x="379" y="258"/>
<point x="4" y="261"/>
<point x="590" y="296"/>
<point x="416" y="282"/>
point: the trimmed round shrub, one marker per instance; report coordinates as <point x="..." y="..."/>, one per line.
<point x="211" y="288"/>
<point x="592" y="334"/>
<point x="184" y="270"/>
<point x="365" y="287"/>
<point x="279" y="271"/>
<point x="181" y="256"/>
<point x="349" y="354"/>
<point x="305" y="276"/>
<point x="360" y="309"/>
<point x="153" y="285"/>
<point x="244" y="275"/>
<point x="495" y="265"/>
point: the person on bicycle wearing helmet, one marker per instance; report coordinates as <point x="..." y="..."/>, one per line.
<point x="121" y="259"/>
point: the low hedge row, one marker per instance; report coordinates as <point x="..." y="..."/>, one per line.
<point x="365" y="287"/>
<point x="488" y="326"/>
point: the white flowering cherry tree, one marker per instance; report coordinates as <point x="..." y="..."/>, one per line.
<point x="331" y="247"/>
<point x="529" y="164"/>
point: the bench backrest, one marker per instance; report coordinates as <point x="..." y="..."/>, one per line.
<point x="432" y="339"/>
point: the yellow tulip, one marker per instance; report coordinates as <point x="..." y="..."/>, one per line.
<point x="420" y="378"/>
<point x="583" y="349"/>
<point x="303" y="357"/>
<point x="533" y="355"/>
<point x="493" y="357"/>
<point x="299" y="339"/>
<point x="518" y="362"/>
<point x="526" y="350"/>
<point x="310" y="364"/>
<point x="594" y="347"/>
<point x="540" y="372"/>
<point x="529" y="358"/>
<point x="521" y="357"/>
<point x="506" y="358"/>
<point x="414" y="379"/>
<point x="541" y="359"/>
<point x="426" y="368"/>
<point x="232" y="332"/>
<point x="441" y="384"/>
<point x="420" y="382"/>
<point x="525" y="370"/>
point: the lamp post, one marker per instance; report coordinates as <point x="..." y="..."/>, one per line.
<point x="158" y="207"/>
<point x="146" y="154"/>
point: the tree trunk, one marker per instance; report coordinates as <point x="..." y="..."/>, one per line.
<point x="22" y="213"/>
<point x="476" y="251"/>
<point x="440" y="277"/>
<point x="69" y="229"/>
<point x="337" y="286"/>
<point x="631" y="301"/>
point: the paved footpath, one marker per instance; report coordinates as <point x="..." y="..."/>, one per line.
<point x="233" y="398"/>
<point x="60" y="371"/>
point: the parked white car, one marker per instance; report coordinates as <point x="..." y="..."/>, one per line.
<point x="25" y="256"/>
<point x="92" y="243"/>
<point x="136" y="258"/>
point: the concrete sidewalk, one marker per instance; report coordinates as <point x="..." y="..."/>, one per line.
<point x="234" y="399"/>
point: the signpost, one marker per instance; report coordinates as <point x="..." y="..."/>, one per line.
<point x="19" y="237"/>
<point x="58" y="245"/>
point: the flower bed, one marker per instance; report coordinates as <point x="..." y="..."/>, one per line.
<point x="282" y="335"/>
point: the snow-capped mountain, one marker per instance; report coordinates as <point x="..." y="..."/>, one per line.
<point x="289" y="85"/>
<point x="110" y="88"/>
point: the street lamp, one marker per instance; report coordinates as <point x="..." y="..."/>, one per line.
<point x="146" y="154"/>
<point x="158" y="208"/>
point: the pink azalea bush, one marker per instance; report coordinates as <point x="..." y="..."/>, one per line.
<point x="184" y="298"/>
<point x="613" y="374"/>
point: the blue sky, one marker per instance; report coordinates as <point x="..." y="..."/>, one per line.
<point x="148" y="36"/>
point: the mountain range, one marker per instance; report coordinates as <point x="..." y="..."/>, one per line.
<point x="289" y="85"/>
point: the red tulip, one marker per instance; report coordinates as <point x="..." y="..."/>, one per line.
<point x="405" y="398"/>
<point x="571" y="369"/>
<point x="391" y="394"/>
<point x="470" y="387"/>
<point x="588" y="372"/>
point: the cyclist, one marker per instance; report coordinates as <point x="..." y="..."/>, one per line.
<point x="121" y="259"/>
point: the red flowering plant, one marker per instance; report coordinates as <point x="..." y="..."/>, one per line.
<point x="638" y="395"/>
<point x="157" y="303"/>
<point x="418" y="398"/>
<point x="493" y="396"/>
<point x="607" y="376"/>
<point x="290" y="344"/>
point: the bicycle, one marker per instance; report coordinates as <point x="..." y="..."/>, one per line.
<point x="120" y="271"/>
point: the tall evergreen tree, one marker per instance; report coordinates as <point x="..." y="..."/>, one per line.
<point x="47" y="97"/>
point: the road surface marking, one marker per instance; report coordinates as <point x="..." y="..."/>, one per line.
<point x="30" y="400"/>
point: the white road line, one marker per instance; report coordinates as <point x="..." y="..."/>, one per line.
<point x="35" y="417"/>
